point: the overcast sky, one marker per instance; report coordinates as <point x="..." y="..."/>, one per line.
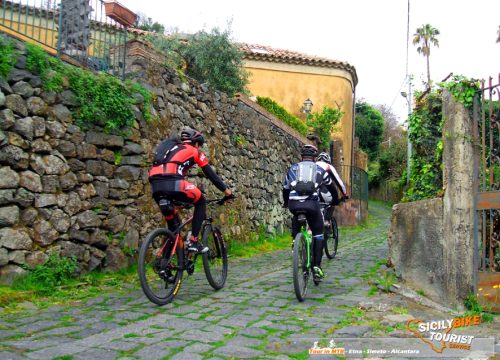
<point x="368" y="34"/>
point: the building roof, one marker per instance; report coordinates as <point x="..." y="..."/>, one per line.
<point x="267" y="53"/>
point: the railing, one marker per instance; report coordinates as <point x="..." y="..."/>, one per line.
<point x="487" y="173"/>
<point x="76" y="30"/>
<point x="356" y="181"/>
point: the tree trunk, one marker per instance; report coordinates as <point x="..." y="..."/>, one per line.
<point x="428" y="73"/>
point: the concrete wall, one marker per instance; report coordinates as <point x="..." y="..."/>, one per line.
<point x="416" y="245"/>
<point x="431" y="241"/>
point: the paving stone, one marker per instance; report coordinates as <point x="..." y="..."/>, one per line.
<point x="202" y="336"/>
<point x="253" y="332"/>
<point x="197" y="348"/>
<point x="186" y="356"/>
<point x="118" y="345"/>
<point x="352" y="331"/>
<point x="243" y="341"/>
<point x="4" y="355"/>
<point x="101" y="354"/>
<point x="238" y="352"/>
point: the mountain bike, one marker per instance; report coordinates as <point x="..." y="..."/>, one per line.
<point x="302" y="258"/>
<point x="331" y="231"/>
<point x="163" y="257"/>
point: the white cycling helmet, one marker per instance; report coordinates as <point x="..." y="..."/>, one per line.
<point x="324" y="157"/>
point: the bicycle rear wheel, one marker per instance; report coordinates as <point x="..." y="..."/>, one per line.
<point x="300" y="268"/>
<point x="215" y="259"/>
<point x="331" y="239"/>
<point x="160" y="271"/>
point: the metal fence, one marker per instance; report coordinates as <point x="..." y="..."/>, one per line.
<point x="77" y="31"/>
<point x="487" y="120"/>
<point x="356" y="181"/>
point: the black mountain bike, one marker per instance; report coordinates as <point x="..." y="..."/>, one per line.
<point x="331" y="231"/>
<point x="163" y="258"/>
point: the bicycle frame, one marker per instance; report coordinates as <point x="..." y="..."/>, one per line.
<point x="305" y="231"/>
<point x="179" y="241"/>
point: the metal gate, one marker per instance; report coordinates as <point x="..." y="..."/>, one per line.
<point x="78" y="31"/>
<point x="487" y="214"/>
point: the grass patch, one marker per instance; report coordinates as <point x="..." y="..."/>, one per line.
<point x="257" y="246"/>
<point x="44" y="292"/>
<point x="130" y="335"/>
<point x="474" y="308"/>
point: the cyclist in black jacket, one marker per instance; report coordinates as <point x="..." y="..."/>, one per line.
<point x="300" y="193"/>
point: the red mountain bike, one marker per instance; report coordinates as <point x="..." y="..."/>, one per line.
<point x="163" y="258"/>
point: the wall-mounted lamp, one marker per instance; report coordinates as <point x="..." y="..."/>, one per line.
<point x="308" y="104"/>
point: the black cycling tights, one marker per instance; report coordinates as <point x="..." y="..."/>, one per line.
<point x="312" y="210"/>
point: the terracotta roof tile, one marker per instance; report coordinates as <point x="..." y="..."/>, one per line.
<point x="267" y="53"/>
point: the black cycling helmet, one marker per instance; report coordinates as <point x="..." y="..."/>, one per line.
<point x="309" y="150"/>
<point x="324" y="157"/>
<point x="192" y="136"/>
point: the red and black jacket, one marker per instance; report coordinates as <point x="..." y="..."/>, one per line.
<point x="180" y="159"/>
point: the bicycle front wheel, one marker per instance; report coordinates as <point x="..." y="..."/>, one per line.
<point x="215" y="259"/>
<point x="300" y="268"/>
<point x="331" y="239"/>
<point x="160" y="270"/>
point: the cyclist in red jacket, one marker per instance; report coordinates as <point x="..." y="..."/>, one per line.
<point x="168" y="181"/>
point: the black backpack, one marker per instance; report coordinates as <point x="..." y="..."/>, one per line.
<point x="306" y="178"/>
<point x="163" y="149"/>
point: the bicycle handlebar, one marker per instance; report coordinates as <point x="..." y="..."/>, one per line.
<point x="221" y="200"/>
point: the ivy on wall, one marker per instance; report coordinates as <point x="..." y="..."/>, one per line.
<point x="425" y="133"/>
<point x="102" y="99"/>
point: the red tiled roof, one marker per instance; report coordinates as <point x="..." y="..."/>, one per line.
<point x="267" y="53"/>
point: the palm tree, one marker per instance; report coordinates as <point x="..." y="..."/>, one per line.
<point x="425" y="37"/>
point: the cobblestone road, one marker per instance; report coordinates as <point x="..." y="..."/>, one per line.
<point x="255" y="316"/>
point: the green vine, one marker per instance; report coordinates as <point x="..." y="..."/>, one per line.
<point x="462" y="89"/>
<point x="102" y="99"/>
<point x="425" y="132"/>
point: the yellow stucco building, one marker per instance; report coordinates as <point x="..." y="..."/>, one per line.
<point x="289" y="78"/>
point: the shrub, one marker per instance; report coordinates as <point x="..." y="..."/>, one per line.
<point x="280" y="112"/>
<point x="7" y="57"/>
<point x="56" y="271"/>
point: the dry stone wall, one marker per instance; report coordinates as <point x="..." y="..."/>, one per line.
<point x="85" y="193"/>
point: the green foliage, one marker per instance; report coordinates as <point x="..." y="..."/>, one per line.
<point x="7" y="57"/>
<point x="118" y="158"/>
<point x="323" y="123"/>
<point x="369" y="128"/>
<point x="209" y="57"/>
<point x="280" y="112"/>
<point x="462" y="89"/>
<point x="103" y="99"/>
<point x="474" y="308"/>
<point x="425" y="132"/>
<point x="240" y="140"/>
<point x="147" y="24"/>
<point x="386" y="280"/>
<point x="56" y="271"/>
<point x="51" y="70"/>
<point x="393" y="158"/>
